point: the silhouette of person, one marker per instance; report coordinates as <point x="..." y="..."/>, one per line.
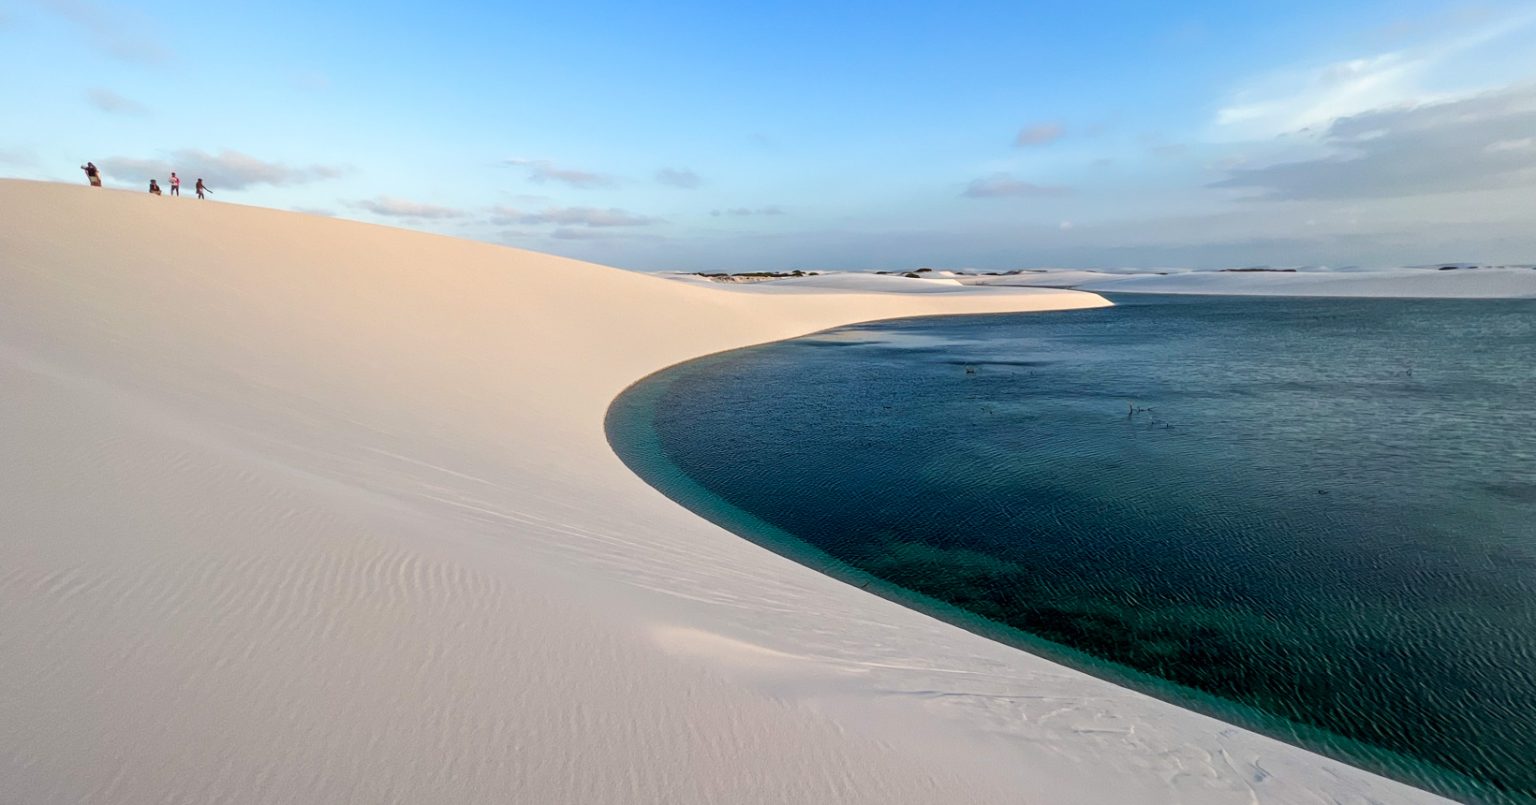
<point x="92" y="175"/>
<point x="175" y="184"/>
<point x="154" y="187"/>
<point x="202" y="188"/>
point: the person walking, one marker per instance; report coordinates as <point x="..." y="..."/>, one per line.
<point x="175" y="184"/>
<point x="202" y="188"/>
<point x="154" y="187"/>
<point x="92" y="174"/>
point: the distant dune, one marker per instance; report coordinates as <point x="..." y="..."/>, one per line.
<point x="1406" y="283"/>
<point x="1452" y="281"/>
<point x="303" y="510"/>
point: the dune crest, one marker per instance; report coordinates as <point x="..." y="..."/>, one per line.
<point x="307" y="510"/>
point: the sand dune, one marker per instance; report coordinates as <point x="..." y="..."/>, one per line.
<point x="304" y="510"/>
<point x="1464" y="282"/>
<point x="1403" y="283"/>
<point x="1396" y="283"/>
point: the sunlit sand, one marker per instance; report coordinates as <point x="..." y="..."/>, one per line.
<point x="303" y="510"/>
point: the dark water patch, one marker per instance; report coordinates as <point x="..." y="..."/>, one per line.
<point x="1518" y="491"/>
<point x="831" y="343"/>
<point x="1310" y="517"/>
<point x="997" y="363"/>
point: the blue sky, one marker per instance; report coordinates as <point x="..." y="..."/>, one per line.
<point x="866" y="135"/>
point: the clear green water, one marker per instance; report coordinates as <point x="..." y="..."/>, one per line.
<point x="1323" y="528"/>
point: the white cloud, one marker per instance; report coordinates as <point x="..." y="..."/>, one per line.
<point x="125" y="37"/>
<point x="1293" y="102"/>
<point x="1304" y="98"/>
<point x="1476" y="143"/>
<point x="570" y="216"/>
<point x="1001" y="185"/>
<point x="1038" y="134"/>
<point x="395" y="207"/>
<point x="1165" y="150"/>
<point x="108" y="101"/>
<point x="601" y="235"/>
<point x="542" y="170"/>
<point x="229" y="170"/>
<point x="772" y="209"/>
<point x="22" y="157"/>
<point x="1522" y="144"/>
<point x="678" y="177"/>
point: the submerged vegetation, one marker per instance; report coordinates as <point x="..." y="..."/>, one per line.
<point x="1335" y="550"/>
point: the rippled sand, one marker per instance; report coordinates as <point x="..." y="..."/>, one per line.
<point x="304" y="510"/>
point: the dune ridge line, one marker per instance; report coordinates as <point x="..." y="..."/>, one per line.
<point x="308" y="510"/>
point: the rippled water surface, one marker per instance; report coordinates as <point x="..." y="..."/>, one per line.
<point x="1313" y="517"/>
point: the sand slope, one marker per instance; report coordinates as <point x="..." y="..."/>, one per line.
<point x="304" y="510"/>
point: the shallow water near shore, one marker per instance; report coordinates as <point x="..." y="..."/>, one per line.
<point x="1315" y="518"/>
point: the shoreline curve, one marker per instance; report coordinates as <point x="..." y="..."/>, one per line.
<point x="308" y="509"/>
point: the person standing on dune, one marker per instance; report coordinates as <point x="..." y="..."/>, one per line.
<point x="202" y="188"/>
<point x="92" y="174"/>
<point x="175" y="184"/>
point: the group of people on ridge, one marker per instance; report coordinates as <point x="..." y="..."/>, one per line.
<point x="93" y="175"/>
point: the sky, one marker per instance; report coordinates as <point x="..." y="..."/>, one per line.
<point x="858" y="135"/>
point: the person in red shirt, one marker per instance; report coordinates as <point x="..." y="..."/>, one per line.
<point x="175" y="184"/>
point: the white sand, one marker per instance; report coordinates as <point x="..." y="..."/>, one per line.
<point x="304" y="510"/>
<point x="1406" y="283"/>
<point x="1409" y="283"/>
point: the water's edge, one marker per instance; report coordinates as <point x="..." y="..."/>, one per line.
<point x="631" y="434"/>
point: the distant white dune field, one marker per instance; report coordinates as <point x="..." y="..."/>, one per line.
<point x="295" y="509"/>
<point x="1399" y="283"/>
<point x="1461" y="282"/>
<point x="1406" y="283"/>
